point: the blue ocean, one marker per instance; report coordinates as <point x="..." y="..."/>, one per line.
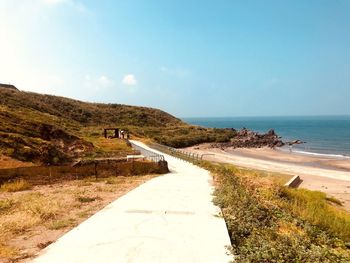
<point x="324" y="135"/>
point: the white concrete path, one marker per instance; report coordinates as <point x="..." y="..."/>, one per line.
<point x="170" y="218"/>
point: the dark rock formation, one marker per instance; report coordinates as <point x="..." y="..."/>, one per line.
<point x="7" y="86"/>
<point x="249" y="139"/>
<point x="63" y="144"/>
<point x="294" y="142"/>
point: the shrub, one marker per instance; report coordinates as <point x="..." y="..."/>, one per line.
<point x="59" y="224"/>
<point x="111" y="180"/>
<point x="86" y="199"/>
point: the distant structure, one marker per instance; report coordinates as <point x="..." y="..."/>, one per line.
<point x="8" y="86"/>
<point x="118" y="133"/>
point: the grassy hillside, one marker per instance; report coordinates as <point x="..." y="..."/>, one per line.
<point x="87" y="113"/>
<point x="51" y="129"/>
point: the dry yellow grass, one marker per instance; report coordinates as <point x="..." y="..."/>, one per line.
<point x="289" y="229"/>
<point x="31" y="219"/>
<point x="7" y="251"/>
<point x="144" y="139"/>
<point x="314" y="206"/>
<point x="16" y="223"/>
<point x="113" y="147"/>
<point x="18" y="185"/>
<point x="111" y="144"/>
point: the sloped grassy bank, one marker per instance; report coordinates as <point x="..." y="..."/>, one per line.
<point x="48" y="129"/>
<point x="271" y="223"/>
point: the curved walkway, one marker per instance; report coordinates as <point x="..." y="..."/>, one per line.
<point x="170" y="218"/>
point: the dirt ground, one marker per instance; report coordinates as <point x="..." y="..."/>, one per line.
<point x="30" y="220"/>
<point x="8" y="162"/>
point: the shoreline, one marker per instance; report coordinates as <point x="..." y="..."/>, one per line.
<point x="304" y="152"/>
<point x="329" y="175"/>
<point x="279" y="157"/>
<point x="295" y="158"/>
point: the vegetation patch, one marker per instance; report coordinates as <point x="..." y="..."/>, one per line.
<point x="111" y="180"/>
<point x="87" y="199"/>
<point x="63" y="223"/>
<point x="15" y="186"/>
<point x="313" y="207"/>
<point x="270" y="223"/>
<point x="183" y="135"/>
<point x="106" y="147"/>
<point x="39" y="206"/>
<point x="6" y="205"/>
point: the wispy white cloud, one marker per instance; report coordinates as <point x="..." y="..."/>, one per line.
<point x="129" y="80"/>
<point x="98" y="83"/>
<point x="105" y="81"/>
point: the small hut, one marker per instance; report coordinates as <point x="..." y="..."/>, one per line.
<point x="115" y="130"/>
<point x="118" y="133"/>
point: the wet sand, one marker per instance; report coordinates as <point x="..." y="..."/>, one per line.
<point x="329" y="175"/>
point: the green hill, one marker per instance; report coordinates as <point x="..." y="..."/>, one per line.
<point x="51" y="129"/>
<point x="87" y="113"/>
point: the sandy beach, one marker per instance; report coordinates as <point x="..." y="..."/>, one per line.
<point x="329" y="175"/>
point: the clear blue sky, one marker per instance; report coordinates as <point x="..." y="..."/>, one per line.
<point x="190" y="58"/>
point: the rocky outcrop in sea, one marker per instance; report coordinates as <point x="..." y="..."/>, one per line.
<point x="250" y="139"/>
